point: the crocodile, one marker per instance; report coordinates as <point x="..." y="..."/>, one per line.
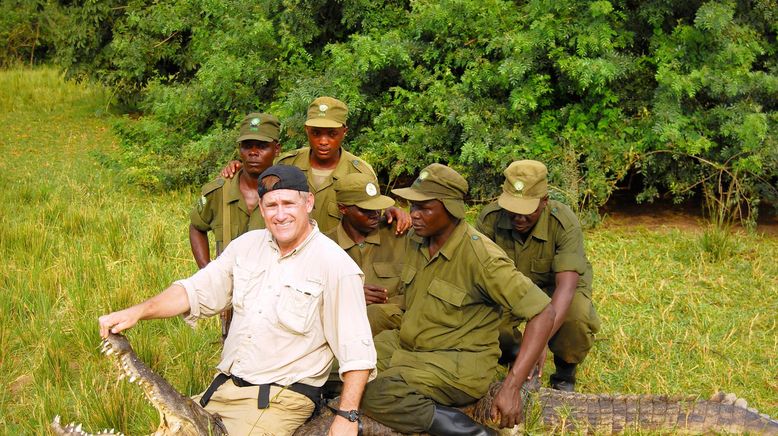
<point x="552" y="410"/>
<point x="559" y="411"/>
<point x="179" y="414"/>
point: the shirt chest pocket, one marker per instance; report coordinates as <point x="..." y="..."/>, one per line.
<point x="445" y="303"/>
<point x="244" y="281"/>
<point x="298" y="305"/>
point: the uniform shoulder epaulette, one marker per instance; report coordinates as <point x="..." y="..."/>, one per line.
<point x="212" y="186"/>
<point x="483" y="247"/>
<point x="361" y="166"/>
<point x="291" y="154"/>
<point x="563" y="214"/>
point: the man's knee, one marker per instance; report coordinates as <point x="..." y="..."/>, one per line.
<point x="384" y="317"/>
<point x="392" y="402"/>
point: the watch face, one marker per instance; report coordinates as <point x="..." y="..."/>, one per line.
<point x="353" y="415"/>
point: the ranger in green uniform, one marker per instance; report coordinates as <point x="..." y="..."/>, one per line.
<point x="229" y="207"/>
<point x="373" y="245"/>
<point x="458" y="285"/>
<point x="544" y="239"/>
<point x="324" y="161"/>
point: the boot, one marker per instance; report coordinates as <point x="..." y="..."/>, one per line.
<point x="564" y="377"/>
<point x="449" y="421"/>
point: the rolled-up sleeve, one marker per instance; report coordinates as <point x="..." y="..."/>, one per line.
<point x="569" y="255"/>
<point x="346" y="327"/>
<point x="513" y="290"/>
<point x="209" y="290"/>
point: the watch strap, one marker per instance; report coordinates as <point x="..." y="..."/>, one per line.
<point x="351" y="415"/>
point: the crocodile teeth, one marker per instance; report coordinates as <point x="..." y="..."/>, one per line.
<point x="132" y="379"/>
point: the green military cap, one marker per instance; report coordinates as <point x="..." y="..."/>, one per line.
<point x="327" y="112"/>
<point x="262" y="127"/>
<point x="438" y="182"/>
<point x="525" y="185"/>
<point x="361" y="190"/>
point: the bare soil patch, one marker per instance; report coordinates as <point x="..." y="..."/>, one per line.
<point x="618" y="213"/>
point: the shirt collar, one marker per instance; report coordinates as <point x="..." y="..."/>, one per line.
<point x="451" y="244"/>
<point x="539" y="231"/>
<point x="345" y="241"/>
<point x="232" y="193"/>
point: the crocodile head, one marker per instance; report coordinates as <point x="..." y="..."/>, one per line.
<point x="178" y="414"/>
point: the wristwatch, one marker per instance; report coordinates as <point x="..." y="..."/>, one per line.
<point x="351" y="415"/>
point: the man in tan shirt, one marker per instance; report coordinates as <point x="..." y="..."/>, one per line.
<point x="293" y="314"/>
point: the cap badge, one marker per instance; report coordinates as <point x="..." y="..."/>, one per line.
<point x="323" y="108"/>
<point x="255" y="121"/>
<point x="371" y="189"/>
<point x="519" y="185"/>
<point x="422" y="175"/>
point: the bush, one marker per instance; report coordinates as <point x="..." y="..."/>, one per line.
<point x="599" y="90"/>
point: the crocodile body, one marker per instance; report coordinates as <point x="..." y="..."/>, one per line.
<point x="555" y="410"/>
<point x="605" y="414"/>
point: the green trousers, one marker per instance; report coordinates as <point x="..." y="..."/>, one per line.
<point x="404" y="397"/>
<point x="574" y="338"/>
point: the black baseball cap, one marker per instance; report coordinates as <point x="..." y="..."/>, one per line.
<point x="289" y="177"/>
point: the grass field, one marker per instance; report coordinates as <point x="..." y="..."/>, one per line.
<point x="77" y="242"/>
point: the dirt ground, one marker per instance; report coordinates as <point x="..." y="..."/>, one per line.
<point x="624" y="213"/>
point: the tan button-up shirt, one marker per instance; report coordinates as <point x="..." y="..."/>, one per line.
<point x="292" y="313"/>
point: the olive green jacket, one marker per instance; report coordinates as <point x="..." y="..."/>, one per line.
<point x="207" y="214"/>
<point x="554" y="245"/>
<point x="325" y="209"/>
<point x="381" y="256"/>
<point x="455" y="302"/>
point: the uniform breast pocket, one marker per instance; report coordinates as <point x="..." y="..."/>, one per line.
<point x="541" y="266"/>
<point x="387" y="270"/>
<point x="446" y="303"/>
<point x="243" y="281"/>
<point x="298" y="306"/>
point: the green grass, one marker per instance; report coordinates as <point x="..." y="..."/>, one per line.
<point x="76" y="241"/>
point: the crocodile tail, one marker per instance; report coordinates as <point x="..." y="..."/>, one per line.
<point x="605" y="413"/>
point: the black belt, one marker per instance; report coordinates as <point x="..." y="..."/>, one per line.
<point x="263" y="399"/>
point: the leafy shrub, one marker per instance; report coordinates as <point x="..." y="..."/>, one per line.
<point x="682" y="94"/>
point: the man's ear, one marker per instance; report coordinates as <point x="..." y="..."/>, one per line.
<point x="309" y="202"/>
<point x="277" y="149"/>
<point x="342" y="208"/>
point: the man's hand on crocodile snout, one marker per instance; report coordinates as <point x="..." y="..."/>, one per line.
<point x="507" y="405"/>
<point x="117" y="321"/>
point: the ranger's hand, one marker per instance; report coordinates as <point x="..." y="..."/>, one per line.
<point x="375" y="294"/>
<point x="231" y="168"/>
<point x="539" y="364"/>
<point x="506" y="406"/>
<point x="401" y="218"/>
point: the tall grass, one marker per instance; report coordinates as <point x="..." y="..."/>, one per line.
<point x="77" y="242"/>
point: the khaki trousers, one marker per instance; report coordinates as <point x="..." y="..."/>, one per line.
<point x="238" y="409"/>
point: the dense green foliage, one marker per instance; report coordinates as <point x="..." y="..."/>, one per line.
<point x="678" y="97"/>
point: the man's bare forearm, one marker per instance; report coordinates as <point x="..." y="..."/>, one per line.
<point x="198" y="240"/>
<point x="170" y="302"/>
<point x="534" y="340"/>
